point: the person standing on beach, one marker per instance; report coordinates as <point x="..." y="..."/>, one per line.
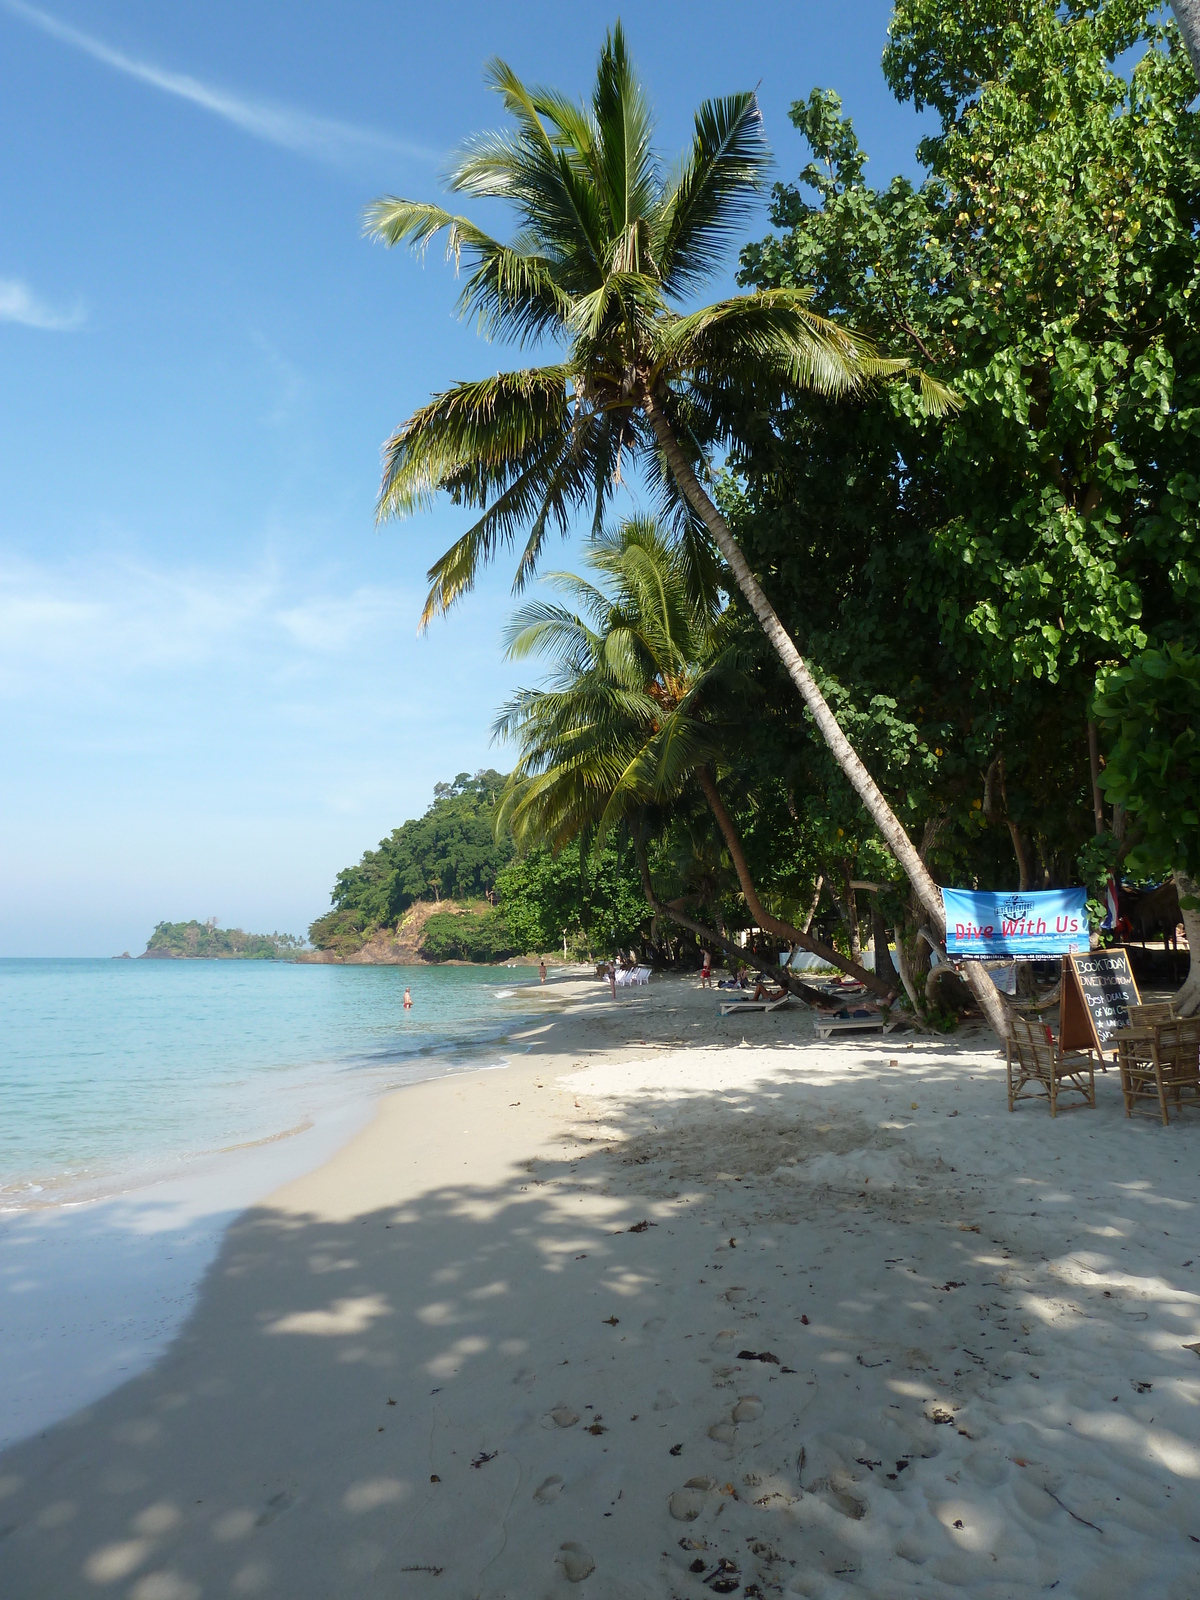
<point x="612" y="978"/>
<point x="705" y="970"/>
<point x="541" y="972"/>
<point x="408" y="999"/>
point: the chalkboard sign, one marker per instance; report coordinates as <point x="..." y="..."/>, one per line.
<point x="1098" y="990"/>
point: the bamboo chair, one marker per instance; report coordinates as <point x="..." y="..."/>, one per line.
<point x="1151" y="1013"/>
<point x="1033" y="1057"/>
<point x="1161" y="1063"/>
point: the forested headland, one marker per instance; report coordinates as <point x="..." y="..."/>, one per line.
<point x="488" y="902"/>
<point x="177" y="941"/>
<point x="929" y="619"/>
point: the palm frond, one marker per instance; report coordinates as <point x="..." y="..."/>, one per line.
<point x="614" y="299"/>
<point x="551" y="183"/>
<point x="773" y="335"/>
<point x="936" y="399"/>
<point x="518" y="102"/>
<point x="516" y="296"/>
<point x="544" y="494"/>
<point x="474" y="437"/>
<point x="626" y="169"/>
<point x="714" y="192"/>
<point x="417" y="224"/>
<point x="552" y="632"/>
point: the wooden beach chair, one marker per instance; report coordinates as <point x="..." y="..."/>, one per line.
<point x="1151" y="1012"/>
<point x="1160" y="1063"/>
<point x="1033" y="1057"/>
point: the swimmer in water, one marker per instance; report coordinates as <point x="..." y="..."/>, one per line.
<point x="408" y="999"/>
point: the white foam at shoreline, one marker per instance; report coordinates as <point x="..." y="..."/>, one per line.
<point x="93" y="1291"/>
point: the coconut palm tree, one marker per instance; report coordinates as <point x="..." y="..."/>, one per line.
<point x="642" y="704"/>
<point x="608" y="253"/>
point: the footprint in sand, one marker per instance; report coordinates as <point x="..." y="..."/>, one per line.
<point x="575" y="1562"/>
<point x="686" y="1504"/>
<point x="666" y="1400"/>
<point x="723" y="1432"/>
<point x="654" y="1325"/>
<point x="548" y="1490"/>
<point x="724" y="1341"/>
<point x="560" y="1417"/>
<point x="735" y="1296"/>
<point x="748" y="1409"/>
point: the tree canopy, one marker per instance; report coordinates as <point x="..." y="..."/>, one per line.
<point x="965" y="585"/>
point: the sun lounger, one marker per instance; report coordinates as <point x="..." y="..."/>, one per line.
<point x="730" y="1006"/>
<point x="860" y="1021"/>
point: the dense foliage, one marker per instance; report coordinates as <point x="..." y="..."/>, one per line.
<point x="468" y="936"/>
<point x="1152" y="710"/>
<point x="177" y="940"/>
<point x="962" y="585"/>
<point x="593" y="901"/>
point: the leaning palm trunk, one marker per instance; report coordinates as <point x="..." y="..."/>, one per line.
<point x="984" y="991"/>
<point x="758" y="911"/>
<point x="673" y="913"/>
<point x="1187" y="17"/>
<point x="1187" y="1001"/>
<point x="608" y="251"/>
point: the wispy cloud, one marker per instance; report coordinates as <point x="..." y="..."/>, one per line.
<point x="113" y="619"/>
<point x="18" y="303"/>
<point x="324" y="138"/>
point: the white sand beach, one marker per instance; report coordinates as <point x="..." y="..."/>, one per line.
<point x="674" y="1306"/>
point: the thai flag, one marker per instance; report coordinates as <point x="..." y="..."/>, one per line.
<point x="1112" y="915"/>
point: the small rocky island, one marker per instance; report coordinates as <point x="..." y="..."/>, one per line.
<point x="204" y="941"/>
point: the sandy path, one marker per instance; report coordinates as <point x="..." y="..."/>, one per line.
<point x="444" y="1365"/>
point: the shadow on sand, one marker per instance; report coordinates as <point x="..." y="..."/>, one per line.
<point x="858" y="1349"/>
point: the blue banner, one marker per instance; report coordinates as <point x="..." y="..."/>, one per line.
<point x="1026" y="923"/>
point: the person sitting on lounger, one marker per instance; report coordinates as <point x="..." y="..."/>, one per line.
<point x="766" y="990"/>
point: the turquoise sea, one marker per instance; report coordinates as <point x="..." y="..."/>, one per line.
<point x="115" y="1073"/>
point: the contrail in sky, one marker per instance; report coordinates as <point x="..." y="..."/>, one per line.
<point x="323" y="137"/>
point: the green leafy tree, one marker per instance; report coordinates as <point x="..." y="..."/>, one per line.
<point x="593" y="899"/>
<point x="962" y="586"/>
<point x="1151" y="710"/>
<point x="606" y="253"/>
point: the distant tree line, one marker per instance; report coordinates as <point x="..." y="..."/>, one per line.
<point x="180" y="940"/>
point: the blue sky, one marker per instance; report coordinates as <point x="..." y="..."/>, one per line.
<point x="212" y="695"/>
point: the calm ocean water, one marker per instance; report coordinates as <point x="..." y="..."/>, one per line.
<point x="114" y="1073"/>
